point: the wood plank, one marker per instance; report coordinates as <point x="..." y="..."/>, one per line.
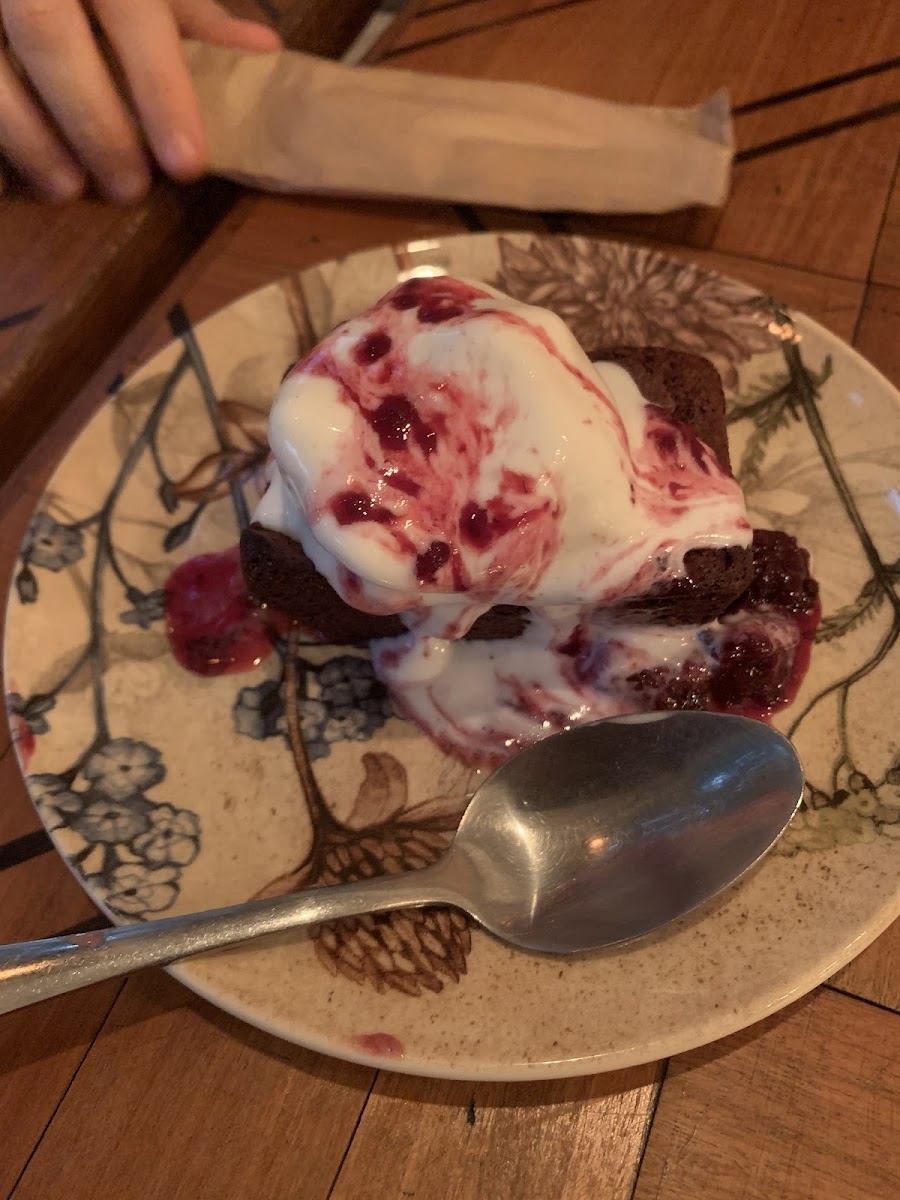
<point x="294" y="232"/>
<point x="448" y="21"/>
<point x="504" y="220"/>
<point x="433" y="1139"/>
<point x="636" y="50"/>
<point x="428" y="6"/>
<point x="875" y="974"/>
<point x="96" y="305"/>
<point x="803" y="1104"/>
<point x="878" y="328"/>
<point x="70" y="237"/>
<point x="820" y="204"/>
<point x="42" y="1049"/>
<point x="178" y="1101"/>
<point x="886" y="266"/>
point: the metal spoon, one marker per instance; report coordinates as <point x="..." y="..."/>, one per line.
<point x="592" y="837"/>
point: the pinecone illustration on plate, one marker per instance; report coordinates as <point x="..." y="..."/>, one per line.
<point x="409" y="951"/>
<point x="412" y="950"/>
<point x="611" y="295"/>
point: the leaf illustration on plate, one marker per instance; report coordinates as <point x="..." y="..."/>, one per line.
<point x="26" y="586"/>
<point x="245" y="448"/>
<point x="755" y="449"/>
<point x="851" y="616"/>
<point x="383" y="793"/>
<point x="771" y="405"/>
<point x="612" y="294"/>
<point x="290" y="881"/>
<point x="413" y="951"/>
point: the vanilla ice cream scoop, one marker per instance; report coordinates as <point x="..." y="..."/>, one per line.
<point x="452" y="449"/>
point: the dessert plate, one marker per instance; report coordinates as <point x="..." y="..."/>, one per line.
<point x="168" y="790"/>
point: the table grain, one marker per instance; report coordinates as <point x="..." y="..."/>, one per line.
<point x="140" y="1089"/>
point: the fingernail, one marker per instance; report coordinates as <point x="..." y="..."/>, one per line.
<point x="64" y="184"/>
<point x="127" y="187"/>
<point x="179" y="156"/>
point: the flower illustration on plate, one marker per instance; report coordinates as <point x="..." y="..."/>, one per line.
<point x="55" y="801"/>
<point x="134" y="848"/>
<point x="135" y="889"/>
<point x="123" y="767"/>
<point x="111" y="821"/>
<point x="618" y="295"/>
<point x="173" y="837"/>
<point x="854" y="814"/>
<point x="352" y="704"/>
<point x="258" y="710"/>
<point x="52" y="545"/>
<point x="313" y="719"/>
<point x="131" y="846"/>
<point x="342" y="700"/>
<point x="28" y="720"/>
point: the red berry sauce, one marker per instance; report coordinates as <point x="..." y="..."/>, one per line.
<point x="495" y="697"/>
<point x="753" y="661"/>
<point x="213" y="628"/>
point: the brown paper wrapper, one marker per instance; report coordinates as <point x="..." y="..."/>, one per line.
<point x="292" y="123"/>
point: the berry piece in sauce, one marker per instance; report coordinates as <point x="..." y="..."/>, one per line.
<point x="781" y="578"/>
<point x="755" y="668"/>
<point x="396" y="422"/>
<point x="372" y="347"/>
<point x="350" y="507"/>
<point x="430" y="561"/>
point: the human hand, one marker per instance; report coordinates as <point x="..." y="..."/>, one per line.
<point x="62" y="116"/>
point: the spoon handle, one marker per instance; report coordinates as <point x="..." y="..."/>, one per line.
<point x="33" y="971"/>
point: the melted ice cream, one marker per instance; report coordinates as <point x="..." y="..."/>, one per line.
<point x="452" y="449"/>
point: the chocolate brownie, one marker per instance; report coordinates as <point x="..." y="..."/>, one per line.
<point x="685" y="385"/>
<point x="279" y="573"/>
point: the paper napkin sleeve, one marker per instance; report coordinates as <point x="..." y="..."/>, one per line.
<point x="293" y="123"/>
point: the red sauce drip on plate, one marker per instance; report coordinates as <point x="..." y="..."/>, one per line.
<point x="382" y="1045"/>
<point x="212" y="626"/>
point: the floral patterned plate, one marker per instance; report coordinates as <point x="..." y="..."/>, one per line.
<point x="167" y="790"/>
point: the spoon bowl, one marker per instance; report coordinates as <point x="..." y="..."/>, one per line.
<point x="608" y="831"/>
<point x="594" y="836"/>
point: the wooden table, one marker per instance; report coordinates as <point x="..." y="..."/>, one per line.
<point x="141" y="1089"/>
